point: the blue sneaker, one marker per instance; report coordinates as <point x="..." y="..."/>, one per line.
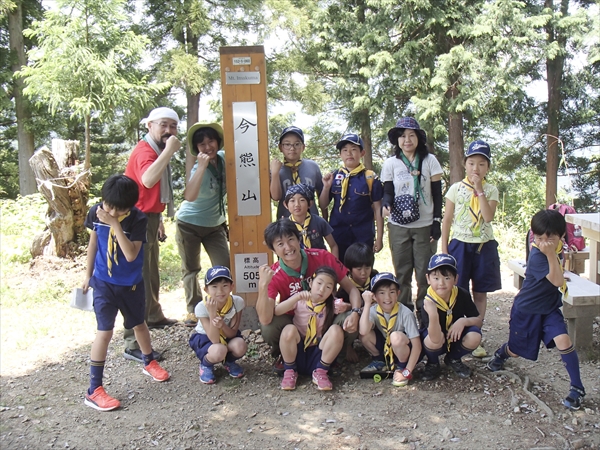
<point x="234" y="369"/>
<point x="573" y="400"/>
<point x="206" y="374"/>
<point x="496" y="363"/>
<point x="375" y="366"/>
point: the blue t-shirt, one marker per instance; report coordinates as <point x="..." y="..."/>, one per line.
<point x="358" y="207"/>
<point x="538" y="295"/>
<point x="318" y="228"/>
<point x="124" y="273"/>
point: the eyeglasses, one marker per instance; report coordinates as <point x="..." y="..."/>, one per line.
<point x="289" y="146"/>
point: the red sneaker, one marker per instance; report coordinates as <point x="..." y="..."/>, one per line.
<point x="321" y="379"/>
<point x="289" y="380"/>
<point x="155" y="371"/>
<point x="101" y="401"/>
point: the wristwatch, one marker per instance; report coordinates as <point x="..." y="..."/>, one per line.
<point x="356" y="310"/>
<point x="407" y="374"/>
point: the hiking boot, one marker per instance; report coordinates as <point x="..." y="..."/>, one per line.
<point x="207" y="375"/>
<point x="162" y="324"/>
<point x="101" y="401"/>
<point x="496" y="363"/>
<point x="156" y="372"/>
<point x="479" y="352"/>
<point x="190" y="320"/>
<point x="278" y="366"/>
<point x="234" y="369"/>
<point x="289" y="380"/>
<point x="321" y="379"/>
<point x="458" y="366"/>
<point x="375" y="366"/>
<point x="136" y="355"/>
<point x="431" y="372"/>
<point x="573" y="400"/>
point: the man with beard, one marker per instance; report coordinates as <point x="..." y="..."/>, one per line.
<point x="149" y="167"/>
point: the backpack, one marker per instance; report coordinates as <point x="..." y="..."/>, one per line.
<point x="573" y="236"/>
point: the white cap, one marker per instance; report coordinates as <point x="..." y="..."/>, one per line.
<point x="161" y="113"/>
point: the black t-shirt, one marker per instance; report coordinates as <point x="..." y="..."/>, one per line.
<point x="464" y="307"/>
<point x="341" y="293"/>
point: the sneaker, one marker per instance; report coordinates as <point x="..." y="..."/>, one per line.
<point x="155" y="371"/>
<point x="573" y="400"/>
<point x="278" y="366"/>
<point x="401" y="383"/>
<point x="207" y="375"/>
<point x="190" y="320"/>
<point x="375" y="366"/>
<point x="321" y="379"/>
<point x="496" y="363"/>
<point x="479" y="352"/>
<point x="460" y="368"/>
<point x="234" y="369"/>
<point x="289" y="380"/>
<point x="162" y="324"/>
<point x="431" y="372"/>
<point x="136" y="355"/>
<point x="101" y="401"/>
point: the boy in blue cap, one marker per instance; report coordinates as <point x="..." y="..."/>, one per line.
<point x="357" y="194"/>
<point x="535" y="315"/>
<point x="218" y="338"/>
<point x="454" y="324"/>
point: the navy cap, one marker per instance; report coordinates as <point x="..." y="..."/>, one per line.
<point x="441" y="259"/>
<point x="479" y="147"/>
<point x="217" y="272"/>
<point x="383" y="276"/>
<point x="352" y="138"/>
<point x="403" y="124"/>
<point x="294" y="130"/>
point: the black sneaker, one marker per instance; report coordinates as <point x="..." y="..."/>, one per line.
<point x="136" y="355"/>
<point x="458" y="366"/>
<point x="573" y="400"/>
<point x="496" y="363"/>
<point x="431" y="372"/>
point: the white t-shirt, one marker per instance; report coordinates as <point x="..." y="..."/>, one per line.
<point x="395" y="170"/>
<point x="201" y="311"/>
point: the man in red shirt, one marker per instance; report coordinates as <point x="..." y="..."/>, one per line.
<point x="290" y="275"/>
<point x="149" y="167"/>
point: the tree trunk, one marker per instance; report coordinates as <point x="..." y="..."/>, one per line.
<point x="88" y="143"/>
<point x="25" y="141"/>
<point x="66" y="191"/>
<point x="193" y="106"/>
<point x="456" y="147"/>
<point x="365" y="133"/>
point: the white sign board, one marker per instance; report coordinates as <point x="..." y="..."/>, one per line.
<point x="247" y="173"/>
<point x="242" y="78"/>
<point x="242" y="61"/>
<point x="246" y="271"/>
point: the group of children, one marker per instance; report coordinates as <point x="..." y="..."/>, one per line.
<point x="311" y="337"/>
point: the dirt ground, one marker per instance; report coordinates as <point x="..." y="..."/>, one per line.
<point x="42" y="390"/>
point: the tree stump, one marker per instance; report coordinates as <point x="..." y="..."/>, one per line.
<point x="65" y="186"/>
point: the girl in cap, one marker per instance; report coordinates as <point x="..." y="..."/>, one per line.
<point x="412" y="202"/>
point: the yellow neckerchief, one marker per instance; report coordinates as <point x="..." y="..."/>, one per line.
<point x="346" y="181"/>
<point x="388" y="327"/>
<point x="474" y="207"/>
<point x="443" y="306"/>
<point x="362" y="287"/>
<point x="303" y="229"/>
<point x="294" y="167"/>
<point x="564" y="290"/>
<point x="111" y="251"/>
<point x="311" y="330"/>
<point x="222" y="313"/>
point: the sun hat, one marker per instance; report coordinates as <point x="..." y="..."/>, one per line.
<point x="403" y="124"/>
<point x="196" y="127"/>
<point x="383" y="276"/>
<point x="353" y="139"/>
<point x="160" y="113"/>
<point x="479" y="147"/>
<point x="441" y="259"/>
<point x="217" y="272"/>
<point x="294" y="130"/>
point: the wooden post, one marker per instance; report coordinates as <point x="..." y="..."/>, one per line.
<point x="245" y="126"/>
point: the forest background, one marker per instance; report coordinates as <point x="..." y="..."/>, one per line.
<point x="468" y="69"/>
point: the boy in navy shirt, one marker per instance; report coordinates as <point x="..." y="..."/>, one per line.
<point x="535" y="315"/>
<point x="114" y="270"/>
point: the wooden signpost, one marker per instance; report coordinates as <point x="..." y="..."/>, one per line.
<point x="245" y="126"/>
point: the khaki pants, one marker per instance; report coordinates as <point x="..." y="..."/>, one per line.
<point x="189" y="239"/>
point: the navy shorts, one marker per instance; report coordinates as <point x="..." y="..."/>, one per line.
<point x="528" y="330"/>
<point x="380" y="343"/>
<point x="478" y="263"/>
<point x="110" y="298"/>
<point x="200" y="343"/>
<point x="470" y="329"/>
<point x="307" y="360"/>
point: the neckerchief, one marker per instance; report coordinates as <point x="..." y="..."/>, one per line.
<point x="111" y="251"/>
<point x="166" y="182"/>
<point x="346" y="181"/>
<point x="311" y="330"/>
<point x="564" y="290"/>
<point x="362" y="287"/>
<point x="413" y="169"/>
<point x="294" y="167"/>
<point x="443" y="306"/>
<point x="227" y="307"/>
<point x="294" y="273"/>
<point x="388" y="327"/>
<point x="303" y="229"/>
<point x="474" y="207"/>
<point x="218" y="172"/>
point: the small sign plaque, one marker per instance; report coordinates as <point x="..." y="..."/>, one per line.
<point x="246" y="271"/>
<point x="242" y="61"/>
<point x="242" y="78"/>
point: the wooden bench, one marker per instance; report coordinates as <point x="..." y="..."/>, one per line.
<point x="575" y="261"/>
<point x="580" y="307"/>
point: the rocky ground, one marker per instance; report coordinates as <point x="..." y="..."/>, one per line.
<point x="42" y="406"/>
